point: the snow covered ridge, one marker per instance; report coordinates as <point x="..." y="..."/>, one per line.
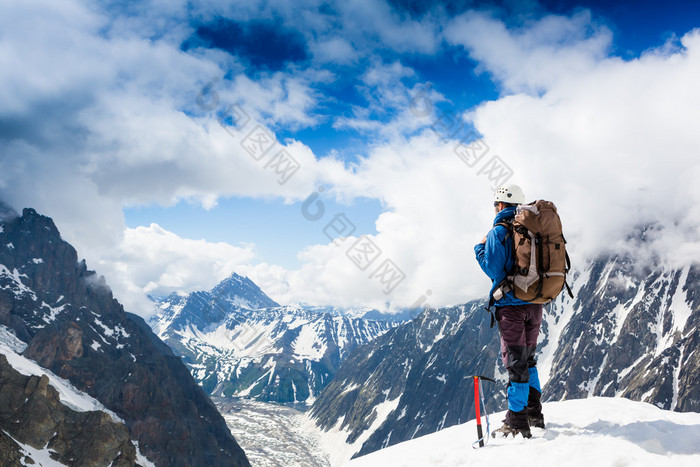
<point x="629" y="332"/>
<point x="586" y="432"/>
<point x="11" y="347"/>
<point x="237" y="342"/>
<point x="280" y="354"/>
<point x="406" y="383"/>
<point x="13" y="282"/>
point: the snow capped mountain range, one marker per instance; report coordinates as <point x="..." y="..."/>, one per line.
<point x="629" y="332"/>
<point x="201" y="309"/>
<point x="237" y="342"/>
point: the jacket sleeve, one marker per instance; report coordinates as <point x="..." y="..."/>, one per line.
<point x="492" y="254"/>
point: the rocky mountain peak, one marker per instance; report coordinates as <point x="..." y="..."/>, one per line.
<point x="243" y="292"/>
<point x="203" y="309"/>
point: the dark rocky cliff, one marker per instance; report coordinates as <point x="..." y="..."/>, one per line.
<point x="74" y="327"/>
<point x="32" y="413"/>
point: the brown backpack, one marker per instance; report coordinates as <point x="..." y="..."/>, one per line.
<point x="541" y="261"/>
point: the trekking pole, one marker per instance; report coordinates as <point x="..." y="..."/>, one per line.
<point x="479" y="398"/>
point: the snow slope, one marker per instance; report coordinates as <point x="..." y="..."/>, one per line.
<point x="41" y="457"/>
<point x="596" y="431"/>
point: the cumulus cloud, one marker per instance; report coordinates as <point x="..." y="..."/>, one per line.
<point x="611" y="141"/>
<point x="96" y="117"/>
<point x="93" y="122"/>
<point x="151" y="260"/>
<point x="437" y="207"/>
<point x="535" y="56"/>
<point x="335" y="50"/>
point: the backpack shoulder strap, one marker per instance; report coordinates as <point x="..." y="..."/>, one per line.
<point x="508" y="224"/>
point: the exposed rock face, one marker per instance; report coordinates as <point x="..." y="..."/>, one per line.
<point x="11" y="453"/>
<point x="32" y="413"/>
<point x="61" y="347"/>
<point x="74" y="327"/>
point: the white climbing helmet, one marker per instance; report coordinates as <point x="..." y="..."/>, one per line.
<point x="511" y="194"/>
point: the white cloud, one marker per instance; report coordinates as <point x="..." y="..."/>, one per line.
<point x="92" y="120"/>
<point x="335" y="50"/>
<point x="437" y="209"/>
<point x="371" y="19"/>
<point x="95" y="117"/>
<point x="279" y="99"/>
<point x="615" y="145"/>
<point x="151" y="260"/>
<point x="536" y="56"/>
<point x="397" y="104"/>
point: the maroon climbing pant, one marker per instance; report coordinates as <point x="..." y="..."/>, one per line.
<point x="519" y="326"/>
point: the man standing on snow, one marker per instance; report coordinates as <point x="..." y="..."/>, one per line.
<point x="518" y="321"/>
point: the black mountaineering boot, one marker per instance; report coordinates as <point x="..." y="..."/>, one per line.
<point x="534" y="409"/>
<point x="536" y="421"/>
<point x="515" y="423"/>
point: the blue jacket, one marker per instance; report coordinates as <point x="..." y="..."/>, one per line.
<point x="496" y="256"/>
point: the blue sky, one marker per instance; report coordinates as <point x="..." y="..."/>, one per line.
<point x="278" y="230"/>
<point x="176" y="142"/>
<point x="638" y="26"/>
